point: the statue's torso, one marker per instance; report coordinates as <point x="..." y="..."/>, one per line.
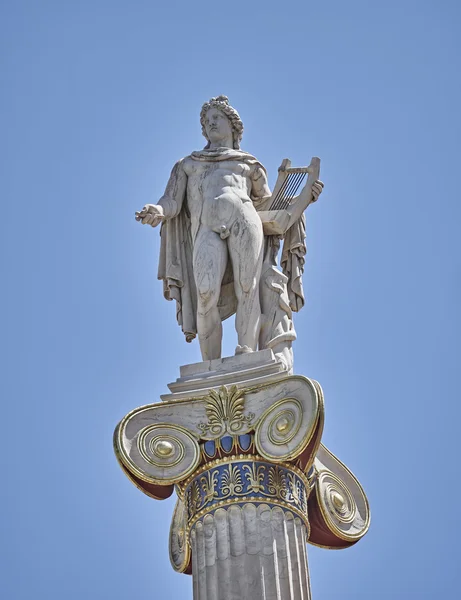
<point x="218" y="193"/>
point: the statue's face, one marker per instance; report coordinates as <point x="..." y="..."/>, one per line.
<point x="217" y="125"/>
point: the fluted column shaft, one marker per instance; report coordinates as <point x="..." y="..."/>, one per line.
<point x="250" y="552"/>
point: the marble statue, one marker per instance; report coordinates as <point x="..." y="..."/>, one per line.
<point x="216" y="258"/>
<point x="239" y="439"/>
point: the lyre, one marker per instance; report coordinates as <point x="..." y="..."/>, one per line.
<point x="285" y="205"/>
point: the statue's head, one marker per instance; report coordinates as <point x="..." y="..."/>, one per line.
<point x="219" y="120"/>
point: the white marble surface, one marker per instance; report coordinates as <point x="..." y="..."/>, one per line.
<point x="244" y="370"/>
<point x="250" y="553"/>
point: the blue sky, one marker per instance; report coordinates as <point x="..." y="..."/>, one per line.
<point x="99" y="99"/>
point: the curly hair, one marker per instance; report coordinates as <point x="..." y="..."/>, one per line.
<point x="222" y="103"/>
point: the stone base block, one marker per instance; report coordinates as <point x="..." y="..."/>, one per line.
<point x="242" y="370"/>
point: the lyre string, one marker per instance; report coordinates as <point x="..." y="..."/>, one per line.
<point x="298" y="185"/>
<point x="280" y="192"/>
<point x="293" y="189"/>
<point x="288" y="190"/>
<point x="281" y="196"/>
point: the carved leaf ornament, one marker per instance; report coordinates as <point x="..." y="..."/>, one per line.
<point x="224" y="410"/>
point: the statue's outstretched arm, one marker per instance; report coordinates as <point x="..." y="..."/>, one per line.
<point x="170" y="203"/>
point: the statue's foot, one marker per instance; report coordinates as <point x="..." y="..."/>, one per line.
<point x="242" y="350"/>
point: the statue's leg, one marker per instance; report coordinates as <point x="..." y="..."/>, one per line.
<point x="209" y="262"/>
<point x="246" y="251"/>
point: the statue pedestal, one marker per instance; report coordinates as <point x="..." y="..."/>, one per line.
<point x="241" y="370"/>
<point x="240" y="441"/>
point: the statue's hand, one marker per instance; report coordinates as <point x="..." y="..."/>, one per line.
<point x="317" y="188"/>
<point x="151" y="214"/>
